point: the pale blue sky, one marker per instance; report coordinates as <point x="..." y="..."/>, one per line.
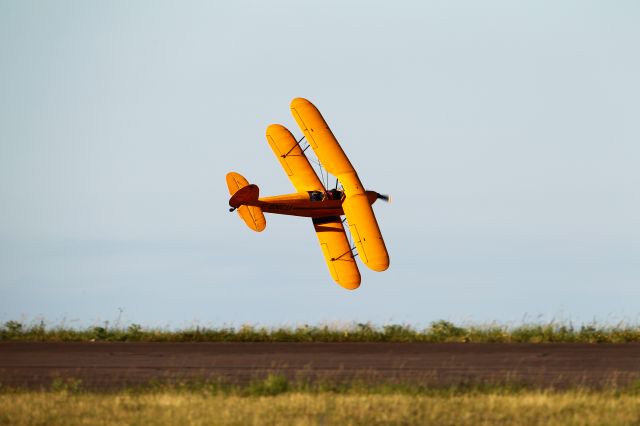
<point x="508" y="134"/>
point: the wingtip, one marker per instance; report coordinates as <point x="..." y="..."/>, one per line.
<point x="274" y="128"/>
<point x="378" y="267"/>
<point x="299" y="101"/>
<point x="350" y="285"/>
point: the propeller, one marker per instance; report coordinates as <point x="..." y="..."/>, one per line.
<point x="384" y="197"/>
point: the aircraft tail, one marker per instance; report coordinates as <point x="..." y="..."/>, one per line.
<point x="244" y="199"/>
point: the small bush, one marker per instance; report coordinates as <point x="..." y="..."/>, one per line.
<point x="273" y="384"/>
<point x="445" y="331"/>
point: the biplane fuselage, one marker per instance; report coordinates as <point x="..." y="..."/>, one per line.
<point x="312" y="204"/>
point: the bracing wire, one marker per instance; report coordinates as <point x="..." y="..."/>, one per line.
<point x="324" y="174"/>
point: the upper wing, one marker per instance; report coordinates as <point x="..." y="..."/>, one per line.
<point x="366" y="232"/>
<point x="362" y="222"/>
<point x="320" y="137"/>
<point x="337" y="252"/>
<point x="292" y="159"/>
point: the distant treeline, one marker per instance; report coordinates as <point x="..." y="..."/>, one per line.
<point x="437" y="332"/>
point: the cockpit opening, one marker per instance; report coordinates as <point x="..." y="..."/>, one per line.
<point x="316" y="195"/>
<point x="334" y="194"/>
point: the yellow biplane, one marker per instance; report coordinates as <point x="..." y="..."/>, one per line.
<point x="313" y="200"/>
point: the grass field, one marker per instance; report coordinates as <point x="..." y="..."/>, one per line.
<point x="274" y="400"/>
<point x="436" y="332"/>
<point x="320" y="408"/>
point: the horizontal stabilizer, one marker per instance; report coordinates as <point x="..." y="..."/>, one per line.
<point x="244" y="198"/>
<point x="253" y="217"/>
<point x="235" y="181"/>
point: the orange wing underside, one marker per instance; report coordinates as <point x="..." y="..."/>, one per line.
<point x="337" y="252"/>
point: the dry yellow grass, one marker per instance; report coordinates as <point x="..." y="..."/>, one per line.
<point x="528" y="408"/>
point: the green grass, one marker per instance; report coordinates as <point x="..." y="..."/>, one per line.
<point x="436" y="332"/>
<point x="277" y="383"/>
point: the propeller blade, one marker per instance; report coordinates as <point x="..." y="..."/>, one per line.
<point x="384" y="197"/>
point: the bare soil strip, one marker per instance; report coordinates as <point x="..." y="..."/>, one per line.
<point x="110" y="365"/>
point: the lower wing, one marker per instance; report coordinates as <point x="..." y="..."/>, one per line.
<point x="337" y="251"/>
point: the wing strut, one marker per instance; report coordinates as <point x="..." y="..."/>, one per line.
<point x="293" y="147"/>
<point x="345" y="253"/>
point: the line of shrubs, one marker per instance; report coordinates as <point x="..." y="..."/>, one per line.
<point x="436" y="332"/>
